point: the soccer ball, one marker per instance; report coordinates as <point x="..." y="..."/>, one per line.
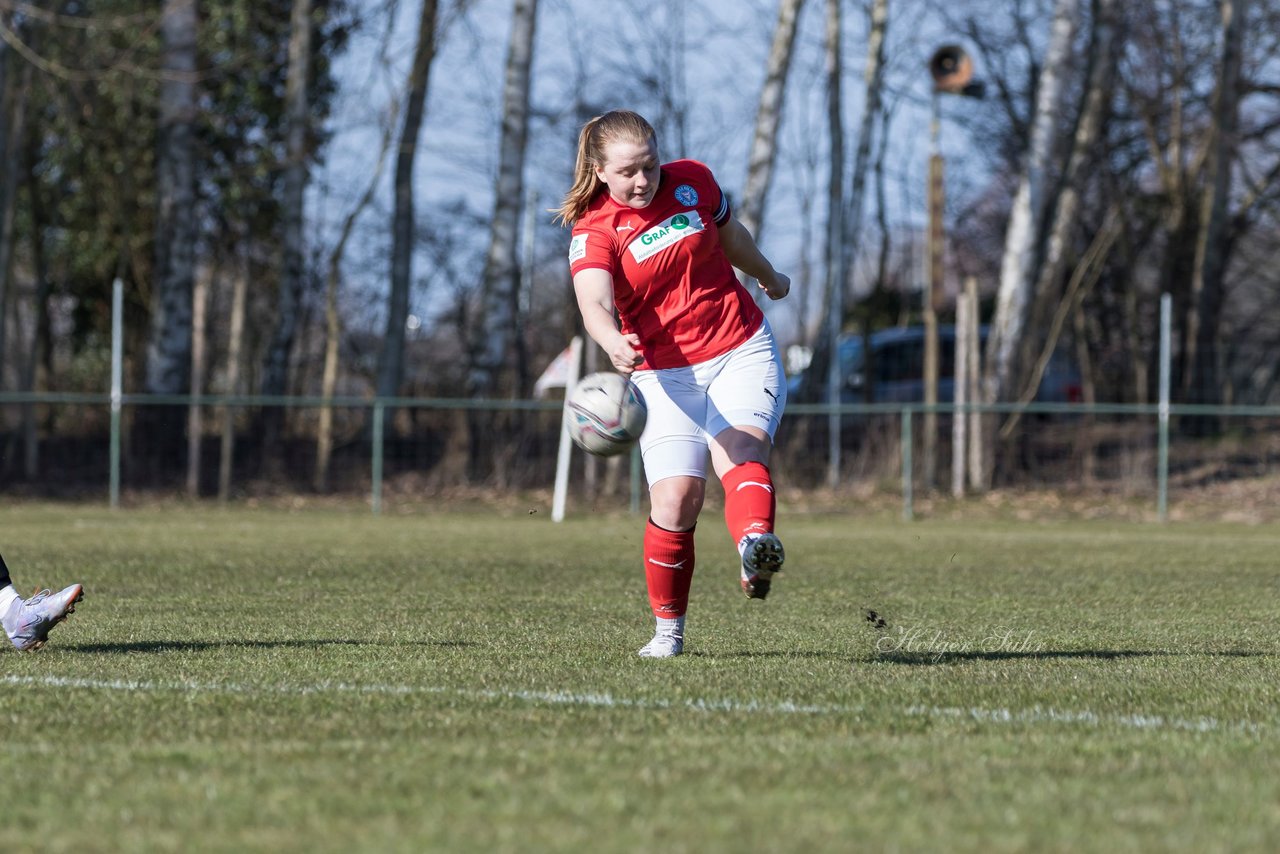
<point x="606" y="414"/>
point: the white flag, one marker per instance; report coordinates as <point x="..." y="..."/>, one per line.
<point x="556" y="375"/>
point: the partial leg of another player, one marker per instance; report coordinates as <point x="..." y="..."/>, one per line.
<point x="27" y="622"/>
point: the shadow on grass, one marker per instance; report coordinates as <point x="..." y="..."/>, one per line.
<point x="953" y="656"/>
<point x="202" y="646"/>
<point x="818" y="654"/>
<point x="956" y="657"/>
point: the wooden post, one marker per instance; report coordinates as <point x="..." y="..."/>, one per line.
<point x="977" y="474"/>
<point x="959" y="418"/>
<point x="234" y="345"/>
<point x="933" y="289"/>
<point x="195" y="412"/>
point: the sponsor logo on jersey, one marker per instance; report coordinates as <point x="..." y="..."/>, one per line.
<point x="577" y="248"/>
<point x="686" y="195"/>
<point x="665" y="234"/>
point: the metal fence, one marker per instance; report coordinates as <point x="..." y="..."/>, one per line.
<point x="405" y="449"/>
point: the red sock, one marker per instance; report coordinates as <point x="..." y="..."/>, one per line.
<point x="668" y="569"/>
<point x="749" y="503"/>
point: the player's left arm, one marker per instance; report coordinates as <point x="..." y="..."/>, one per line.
<point x="741" y="250"/>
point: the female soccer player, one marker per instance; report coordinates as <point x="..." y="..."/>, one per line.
<point x="658" y="243"/>
<point x="27" y="622"/>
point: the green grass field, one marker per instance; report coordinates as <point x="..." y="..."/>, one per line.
<point x="259" y="680"/>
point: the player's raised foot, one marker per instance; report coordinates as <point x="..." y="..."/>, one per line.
<point x="663" y="646"/>
<point x="27" y="623"/>
<point x="762" y="558"/>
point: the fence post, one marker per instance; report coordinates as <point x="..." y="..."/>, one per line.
<point x="378" y="414"/>
<point x="907" y="464"/>
<point x="1162" y="460"/>
<point x="960" y="414"/>
<point x="635" y="480"/>
<point x="560" y="494"/>
<point x="117" y="375"/>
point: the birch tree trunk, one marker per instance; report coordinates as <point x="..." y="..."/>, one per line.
<point x="391" y="358"/>
<point x="333" y="327"/>
<point x="169" y="338"/>
<point x="1063" y="224"/>
<point x="275" y="373"/>
<point x="764" y="143"/>
<point x="499" y="285"/>
<point x="329" y="380"/>
<point x="195" y="413"/>
<point x="835" y="251"/>
<point x="1018" y="273"/>
<point x="235" y="342"/>
<point x="1202" y="384"/>
<point x="39" y="352"/>
<point x="873" y="76"/>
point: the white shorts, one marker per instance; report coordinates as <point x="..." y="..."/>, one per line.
<point x="745" y="387"/>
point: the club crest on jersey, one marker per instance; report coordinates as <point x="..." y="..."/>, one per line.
<point x="665" y="233"/>
<point x="686" y="195"/>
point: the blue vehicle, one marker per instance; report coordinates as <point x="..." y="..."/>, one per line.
<point x="897" y="368"/>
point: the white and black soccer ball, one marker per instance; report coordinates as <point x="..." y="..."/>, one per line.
<point x="606" y="414"/>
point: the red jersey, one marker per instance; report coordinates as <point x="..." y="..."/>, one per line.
<point x="672" y="284"/>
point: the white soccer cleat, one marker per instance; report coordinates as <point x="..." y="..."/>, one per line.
<point x="663" y="646"/>
<point x="28" y="623"/>
<point x="762" y="558"/>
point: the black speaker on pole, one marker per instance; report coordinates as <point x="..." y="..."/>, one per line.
<point x="951" y="69"/>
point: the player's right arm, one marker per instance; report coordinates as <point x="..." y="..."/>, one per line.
<point x="594" y="290"/>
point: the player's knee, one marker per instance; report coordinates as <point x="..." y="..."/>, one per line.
<point x="738" y="445"/>
<point x="676" y="505"/>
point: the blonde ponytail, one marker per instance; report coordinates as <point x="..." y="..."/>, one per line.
<point x="595" y="136"/>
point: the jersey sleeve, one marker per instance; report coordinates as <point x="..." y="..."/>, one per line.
<point x="722" y="209"/>
<point x="589" y="248"/>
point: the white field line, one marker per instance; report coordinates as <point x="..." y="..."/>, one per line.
<point x="1030" y="716"/>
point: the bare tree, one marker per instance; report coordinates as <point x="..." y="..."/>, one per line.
<point x="1161" y="64"/>
<point x="391" y="357"/>
<point x="499" y="284"/>
<point x="1023" y="237"/>
<point x="235" y="346"/>
<point x="1186" y="71"/>
<point x="764" y="143"/>
<point x="169" y="339"/>
<point x="835" y="250"/>
<point x="275" y="373"/>
<point x="333" y="327"/>
<point x="1064" y="220"/>
<point x="1205" y="310"/>
<point x="39" y="362"/>
<point x="873" y="77"/>
<point x="847" y="207"/>
<point x="15" y="86"/>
